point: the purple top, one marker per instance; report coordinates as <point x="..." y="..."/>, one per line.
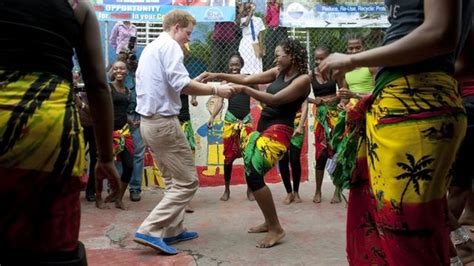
<point x="121" y="35"/>
<point x="272" y="15"/>
<point x="224" y="32"/>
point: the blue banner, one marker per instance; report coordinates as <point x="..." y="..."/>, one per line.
<point x="154" y="10"/>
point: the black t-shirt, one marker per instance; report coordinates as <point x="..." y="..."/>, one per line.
<point x="38" y="36"/>
<point x="405" y="16"/>
<point x="184" y="111"/>
<point x="325" y="89"/>
<point x="121" y="102"/>
<point x="239" y="105"/>
<point x="283" y="114"/>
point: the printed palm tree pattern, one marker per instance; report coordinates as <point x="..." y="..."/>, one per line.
<point x="414" y="125"/>
<point x="415" y="171"/>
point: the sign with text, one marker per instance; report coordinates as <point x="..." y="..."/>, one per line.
<point x="320" y="14"/>
<point x="154" y="10"/>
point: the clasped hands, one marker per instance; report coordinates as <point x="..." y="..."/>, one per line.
<point x="224" y="90"/>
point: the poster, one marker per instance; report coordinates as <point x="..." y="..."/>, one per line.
<point x="154" y="10"/>
<point x="333" y="14"/>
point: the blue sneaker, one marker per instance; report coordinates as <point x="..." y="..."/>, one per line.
<point x="186" y="235"/>
<point x="154" y="242"/>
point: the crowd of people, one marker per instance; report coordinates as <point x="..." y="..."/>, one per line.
<point x="399" y="103"/>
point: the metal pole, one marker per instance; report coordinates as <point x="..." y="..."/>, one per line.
<point x="106" y="43"/>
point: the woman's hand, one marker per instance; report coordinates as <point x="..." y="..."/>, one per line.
<point x="346" y="93"/>
<point x="106" y="170"/>
<point x="207" y="76"/>
<point x="336" y="65"/>
<point x="298" y="131"/>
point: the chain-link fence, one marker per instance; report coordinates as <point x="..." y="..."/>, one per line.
<point x="221" y="40"/>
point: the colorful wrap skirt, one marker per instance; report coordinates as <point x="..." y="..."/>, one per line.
<point x="234" y="130"/>
<point x="397" y="210"/>
<point x="123" y="141"/>
<point x="261" y="151"/>
<point x="188" y="130"/>
<point x="41" y="162"/>
<point x="325" y="119"/>
<point x="297" y="140"/>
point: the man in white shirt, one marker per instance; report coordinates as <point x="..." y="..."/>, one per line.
<point x="160" y="79"/>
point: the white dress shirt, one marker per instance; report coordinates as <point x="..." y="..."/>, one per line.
<point x="160" y="77"/>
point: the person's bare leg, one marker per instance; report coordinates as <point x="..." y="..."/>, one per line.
<point x="226" y="195"/>
<point x="99" y="202"/>
<point x="319" y="183"/>
<point x="297" y="197"/>
<point x="275" y="231"/>
<point x="250" y="195"/>
<point x="467" y="218"/>
<point x="289" y="199"/>
<point x="336" y="197"/>
<point x="118" y="201"/>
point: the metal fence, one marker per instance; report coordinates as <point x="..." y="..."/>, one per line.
<point x="211" y="54"/>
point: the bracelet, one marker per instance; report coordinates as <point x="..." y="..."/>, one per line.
<point x="214" y="89"/>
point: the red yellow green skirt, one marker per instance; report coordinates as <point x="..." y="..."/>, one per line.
<point x="41" y="161"/>
<point x="397" y="206"/>
<point x="263" y="150"/>
<point x="325" y="119"/>
<point x="234" y="130"/>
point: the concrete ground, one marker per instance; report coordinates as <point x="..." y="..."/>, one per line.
<point x="315" y="234"/>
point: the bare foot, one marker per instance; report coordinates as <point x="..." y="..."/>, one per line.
<point x="271" y="239"/>
<point x="262" y="228"/>
<point x="188" y="209"/>
<point x="297" y="198"/>
<point x="225" y="196"/>
<point x="250" y="195"/>
<point x="336" y="199"/>
<point x="466" y="251"/>
<point x="99" y="203"/>
<point x="317" y="198"/>
<point x="289" y="198"/>
<point x="111" y="197"/>
<point x="119" y="205"/>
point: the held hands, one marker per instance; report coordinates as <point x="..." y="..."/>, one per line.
<point x="225" y="91"/>
<point x="336" y="65"/>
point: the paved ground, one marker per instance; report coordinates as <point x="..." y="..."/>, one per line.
<point x="315" y="233"/>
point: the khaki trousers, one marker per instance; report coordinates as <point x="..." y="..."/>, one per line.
<point x="174" y="158"/>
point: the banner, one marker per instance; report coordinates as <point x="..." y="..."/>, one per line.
<point x="154" y="10"/>
<point x="344" y="14"/>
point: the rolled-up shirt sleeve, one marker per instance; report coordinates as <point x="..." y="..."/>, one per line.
<point x="176" y="72"/>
